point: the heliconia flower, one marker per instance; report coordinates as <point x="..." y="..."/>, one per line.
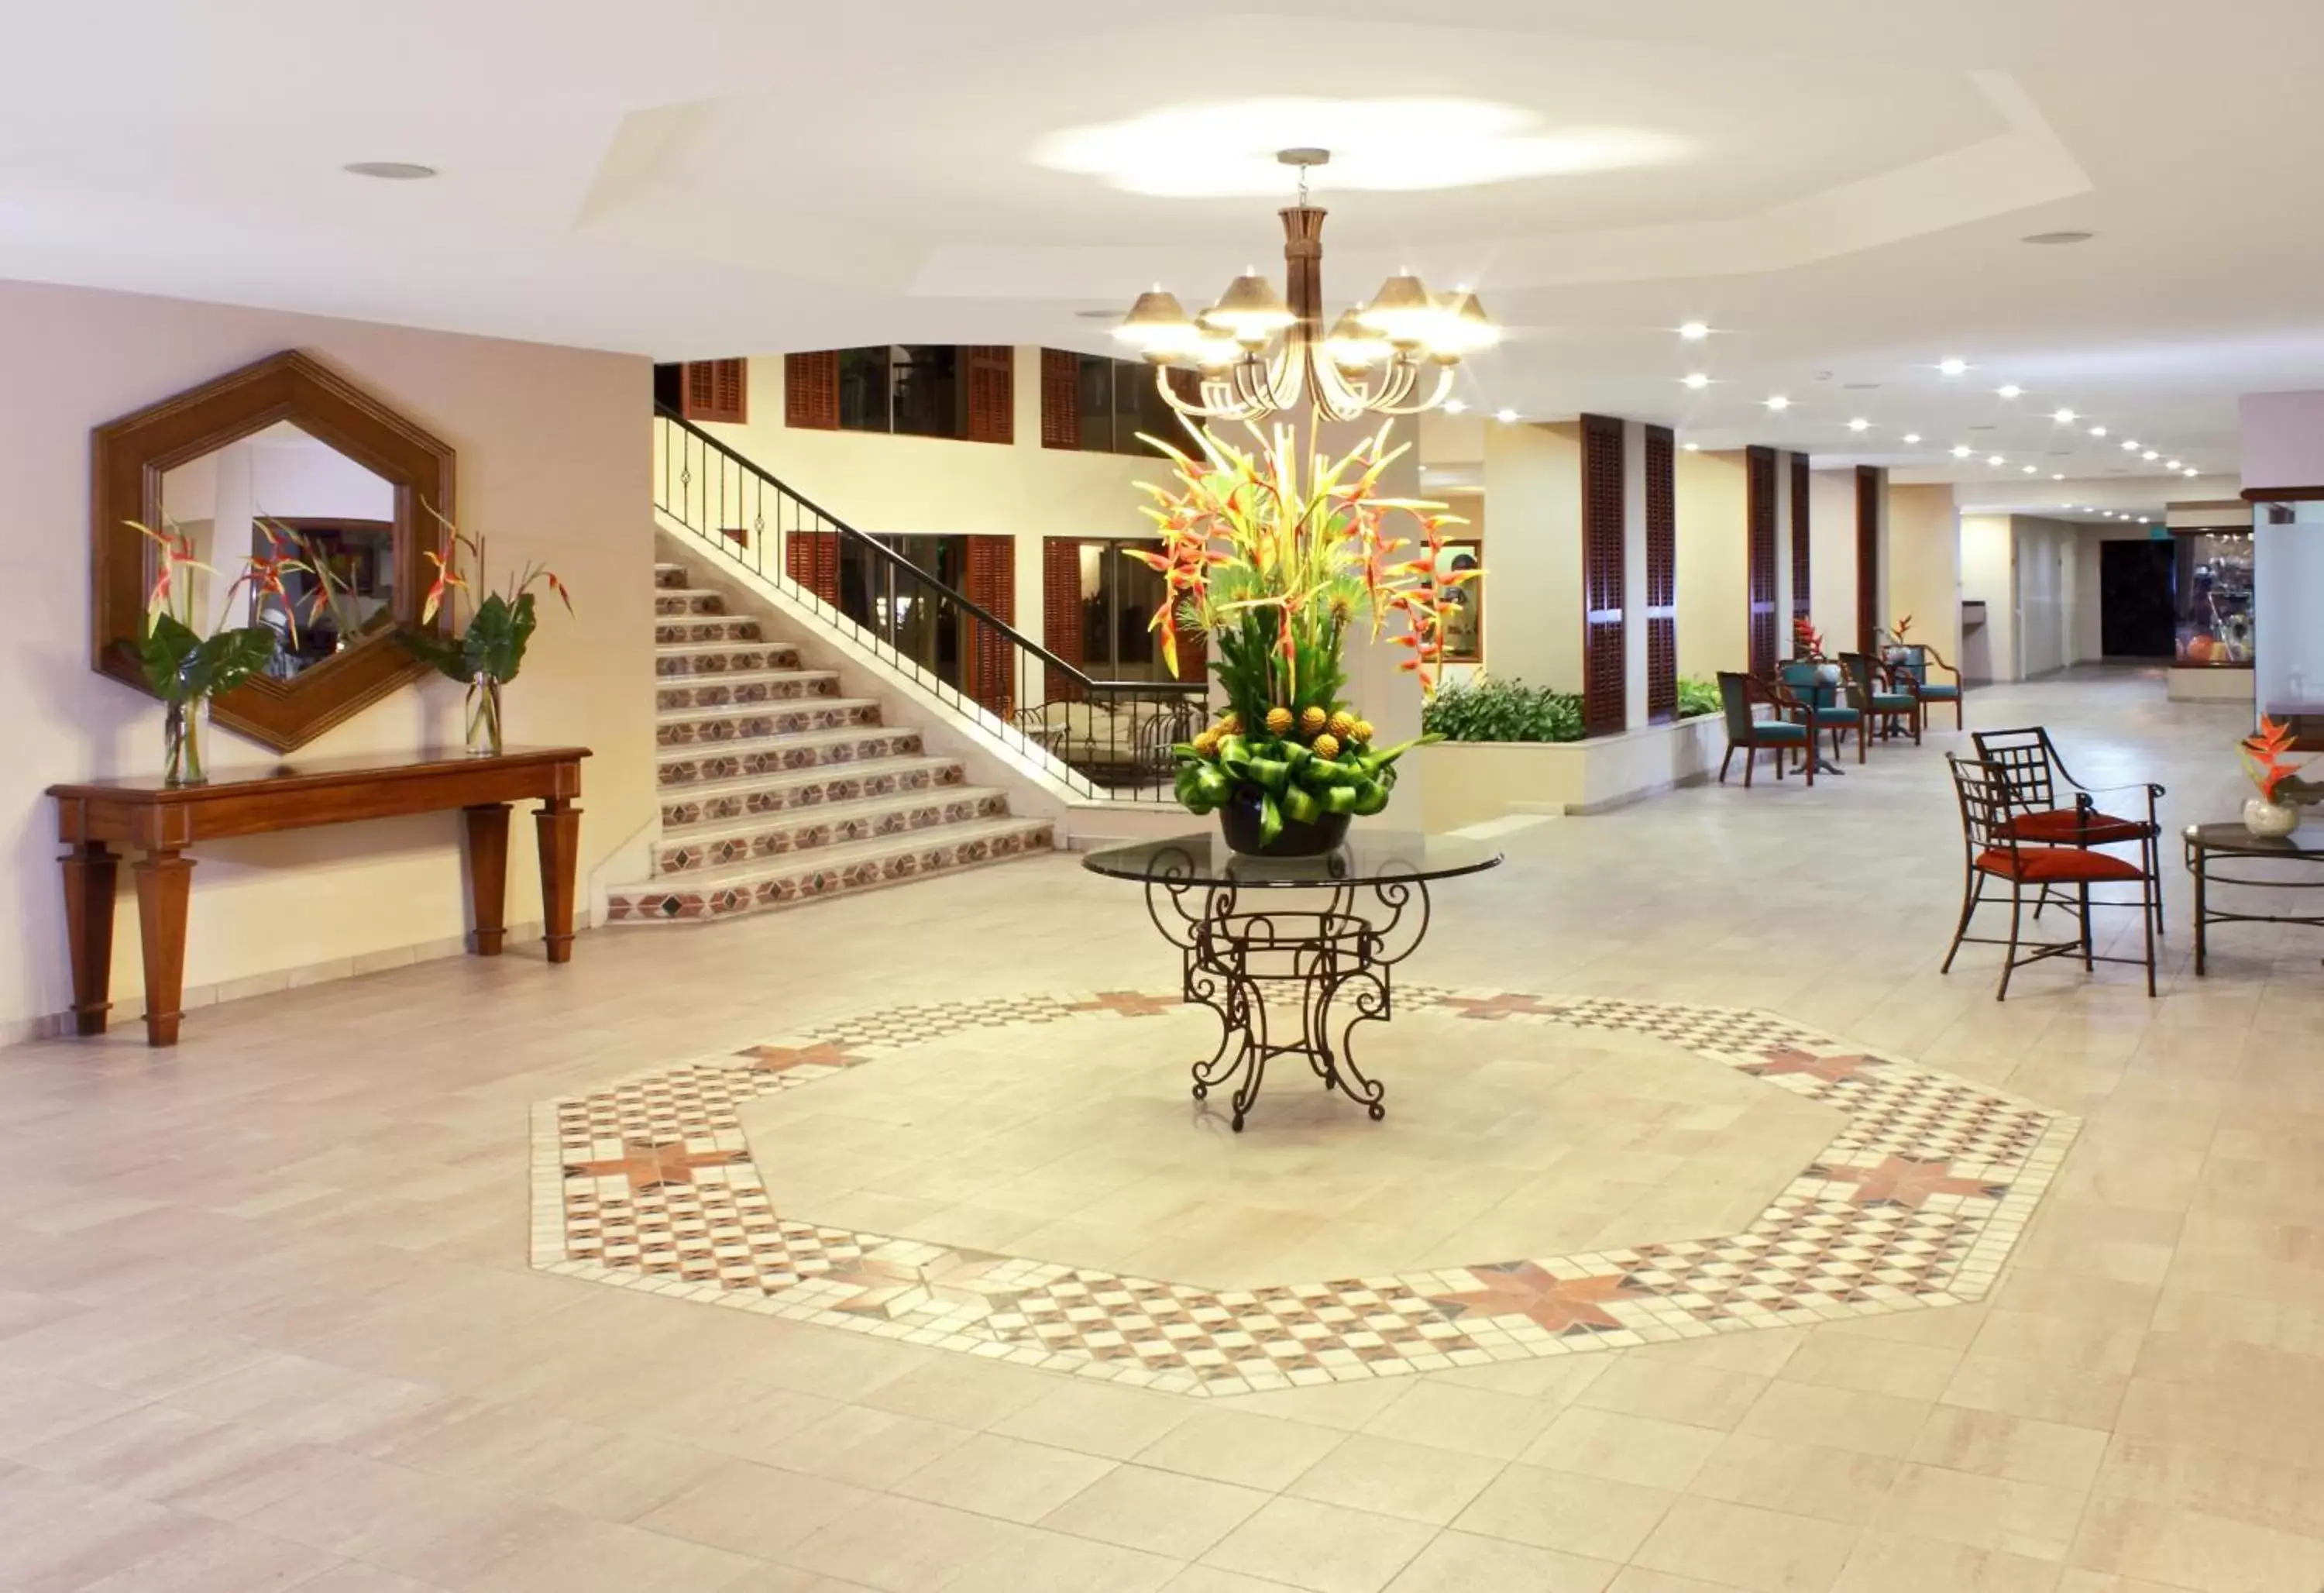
<point x="447" y="577"/>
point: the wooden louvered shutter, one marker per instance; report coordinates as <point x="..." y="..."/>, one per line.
<point x="1803" y="540"/>
<point x="1060" y="398"/>
<point x="811" y="558"/>
<point x="1061" y="608"/>
<point x="811" y="390"/>
<point x="989" y="658"/>
<point x="717" y="390"/>
<point x="1604" y="702"/>
<point x="1760" y="515"/>
<point x="1662" y="575"/>
<point x="992" y="391"/>
<point x="1871" y="486"/>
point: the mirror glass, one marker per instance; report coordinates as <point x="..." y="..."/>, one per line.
<point x="283" y="491"/>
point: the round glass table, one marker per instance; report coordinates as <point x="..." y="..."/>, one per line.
<point x="1291" y="953"/>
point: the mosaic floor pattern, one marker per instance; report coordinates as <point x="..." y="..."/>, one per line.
<point x="648" y="1183"/>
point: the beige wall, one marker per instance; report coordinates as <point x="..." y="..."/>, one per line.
<point x="1714" y="564"/>
<point x="1831" y="554"/>
<point x="1989" y="573"/>
<point x="1532" y="475"/>
<point x="553" y="458"/>
<point x="1924" y="566"/>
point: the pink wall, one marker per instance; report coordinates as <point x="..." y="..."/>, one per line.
<point x="2284" y="439"/>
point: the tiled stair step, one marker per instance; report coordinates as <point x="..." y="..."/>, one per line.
<point x="732" y="687"/>
<point x="778" y="882"/>
<point x="774" y="755"/>
<point x="695" y="628"/>
<point x="826" y="824"/>
<point x="719" y="801"/>
<point x="754" y="721"/>
<point x="671" y="577"/>
<point x="723" y="658"/>
<point x="684" y="600"/>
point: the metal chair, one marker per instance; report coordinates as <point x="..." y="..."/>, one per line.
<point x="1994" y="852"/>
<point x="1737" y="694"/>
<point x="2036" y="777"/>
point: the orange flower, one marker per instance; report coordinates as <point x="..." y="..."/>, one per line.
<point x="2264" y="756"/>
<point x="446" y="577"/>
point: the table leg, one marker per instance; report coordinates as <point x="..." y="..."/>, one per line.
<point x="91" y="873"/>
<point x="2201" y="862"/>
<point x="558" y="824"/>
<point x="488" y="831"/>
<point x="164" y="882"/>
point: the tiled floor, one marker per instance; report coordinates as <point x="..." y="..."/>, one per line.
<point x="267" y="1320"/>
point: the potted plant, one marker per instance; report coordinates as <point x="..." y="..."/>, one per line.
<point x="2275" y="811"/>
<point x="185" y="669"/>
<point x="1277" y="562"/>
<point x="1807" y="644"/>
<point x="487" y="651"/>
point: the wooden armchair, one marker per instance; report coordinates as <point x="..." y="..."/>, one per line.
<point x="1910" y="663"/>
<point x="1879" y="695"/>
<point x="1738" y="694"/>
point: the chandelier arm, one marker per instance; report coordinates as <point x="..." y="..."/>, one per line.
<point x="1444" y="386"/>
<point x="1335" y="395"/>
<point x="1201" y="409"/>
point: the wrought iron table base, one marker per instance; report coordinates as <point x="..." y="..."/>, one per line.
<point x="1251" y="968"/>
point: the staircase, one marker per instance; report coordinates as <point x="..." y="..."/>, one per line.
<point x="777" y="790"/>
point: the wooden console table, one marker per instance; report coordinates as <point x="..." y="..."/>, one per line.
<point x="162" y="821"/>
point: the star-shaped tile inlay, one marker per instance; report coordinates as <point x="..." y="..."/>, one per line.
<point x="777" y="1058"/>
<point x="1129" y="1003"/>
<point x="1493" y="1008"/>
<point x="1900" y="1180"/>
<point x="1520" y="1288"/>
<point x="1785" y="1058"/>
<point x="650" y="1166"/>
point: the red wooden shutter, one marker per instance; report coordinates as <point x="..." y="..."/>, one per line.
<point x="811" y="558"/>
<point x="1662" y="575"/>
<point x="811" y="390"/>
<point x="717" y="390"/>
<point x="1803" y="540"/>
<point x="991" y="393"/>
<point x="1760" y="514"/>
<point x="1061" y="399"/>
<point x="1871" y="486"/>
<point x="991" y="659"/>
<point x="1061" y="602"/>
<point x="1605" y="706"/>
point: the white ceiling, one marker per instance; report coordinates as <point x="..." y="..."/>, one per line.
<point x="1840" y="188"/>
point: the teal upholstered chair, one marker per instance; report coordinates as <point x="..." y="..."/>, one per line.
<point x="1913" y="665"/>
<point x="1803" y="679"/>
<point x="1738" y="695"/>
<point x="1879" y="695"/>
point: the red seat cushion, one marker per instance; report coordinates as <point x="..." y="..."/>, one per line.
<point x="2064" y="826"/>
<point x="2053" y="864"/>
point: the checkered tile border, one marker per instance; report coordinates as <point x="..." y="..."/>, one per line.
<point x="648" y="1184"/>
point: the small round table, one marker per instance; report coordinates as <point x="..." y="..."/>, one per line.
<point x="1325" y="933"/>
<point x="2209" y="845"/>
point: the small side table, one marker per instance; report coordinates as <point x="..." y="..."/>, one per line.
<point x="2209" y="845"/>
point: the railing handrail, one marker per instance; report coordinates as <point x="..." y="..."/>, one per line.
<point x="1089" y="684"/>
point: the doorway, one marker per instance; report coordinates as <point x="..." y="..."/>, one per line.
<point x="2138" y="599"/>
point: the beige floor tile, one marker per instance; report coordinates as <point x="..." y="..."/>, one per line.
<point x="1004" y="1477"/>
<point x="2063" y="1341"/>
<point x="1390" y="1476"/>
<point x="1039" y="1561"/>
<point x="1461" y="1563"/>
<point x="2230" y="1483"/>
<point x="1321" y="1547"/>
<point x="220" y="1558"/>
<point x="1836" y="1418"/>
<point x="1586" y="1515"/>
<point x="1096" y="1419"/>
<point x="2188" y="1548"/>
<point x="1797" y="1480"/>
<point x="1229" y="1445"/>
<point x="1870" y="1365"/>
<point x="752" y="1509"/>
<point x="902" y="1545"/>
<point x="1628" y="1449"/>
<point x="2016" y="1518"/>
<point x="1448" y="1416"/>
<point x="2046" y="1392"/>
<point x="1209" y="1578"/>
<point x="1161" y="1513"/>
<point x="1637" y="1578"/>
<point x="2016" y="1446"/>
<point x="1702" y="1396"/>
<point x="1890" y="1562"/>
<point x="1759" y="1550"/>
<point x="872" y="1448"/>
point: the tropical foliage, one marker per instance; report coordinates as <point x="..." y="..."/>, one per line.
<point x="1486" y="709"/>
<point x="1697" y="697"/>
<point x="1278" y="562"/>
<point x="2263" y="761"/>
<point x="180" y="665"/>
<point x="500" y="624"/>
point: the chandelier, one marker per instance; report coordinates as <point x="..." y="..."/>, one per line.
<point x="1257" y="354"/>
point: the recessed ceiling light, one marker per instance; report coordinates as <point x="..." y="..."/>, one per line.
<point x="1911" y="437"/>
<point x="1694" y="447"/>
<point x="1456" y="406"/>
<point x="2029" y="469"/>
<point x="1993" y="460"/>
<point x="2097" y="431"/>
<point x="2057" y="476"/>
<point x="2063" y="417"/>
<point x="2130" y="445"/>
<point x="1778" y="401"/>
<point x="390" y="171"/>
<point x="2057" y="237"/>
<point x="1860" y="424"/>
<point x="1694" y="332"/>
<point x="2150" y="454"/>
<point x="2012" y="391"/>
<point x="2170" y="464"/>
<point x="1695" y="379"/>
<point x="1952" y="367"/>
<point x="2192" y="471"/>
<point x="1505" y="415"/>
<point x="1960" y="451"/>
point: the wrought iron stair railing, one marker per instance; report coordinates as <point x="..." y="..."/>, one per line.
<point x="1100" y="738"/>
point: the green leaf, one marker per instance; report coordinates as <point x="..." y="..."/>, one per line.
<point x="1301" y="805"/>
<point x="1270" y="820"/>
<point x="164" y="648"/>
<point x="225" y="660"/>
<point x="1371" y="797"/>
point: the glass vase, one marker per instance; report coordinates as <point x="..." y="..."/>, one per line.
<point x="483" y="716"/>
<point x="181" y="742"/>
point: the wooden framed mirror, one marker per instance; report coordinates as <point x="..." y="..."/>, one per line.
<point x="283" y="445"/>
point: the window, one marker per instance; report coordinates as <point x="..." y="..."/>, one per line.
<point x="1095" y="606"/>
<point x="963" y="390"/>
<point x="1094" y="404"/>
<point x="716" y="390"/>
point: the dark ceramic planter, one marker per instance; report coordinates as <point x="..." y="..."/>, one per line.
<point x="1239" y="820"/>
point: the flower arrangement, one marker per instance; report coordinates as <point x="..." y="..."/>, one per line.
<point x="487" y="650"/>
<point x="1277" y="564"/>
<point x="1807" y="641"/>
<point x="185" y="669"/>
<point x="2279" y="782"/>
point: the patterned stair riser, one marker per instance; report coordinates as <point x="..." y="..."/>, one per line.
<point x="806" y="881"/>
<point x="749" y="724"/>
<point x="805" y="832"/>
<point x="670" y="576"/>
<point x="680" y="633"/>
<point x="746" y="659"/>
<point x="843" y="784"/>
<point x="698" y="769"/>
<point x="668" y="605"/>
<point x="717" y="693"/>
